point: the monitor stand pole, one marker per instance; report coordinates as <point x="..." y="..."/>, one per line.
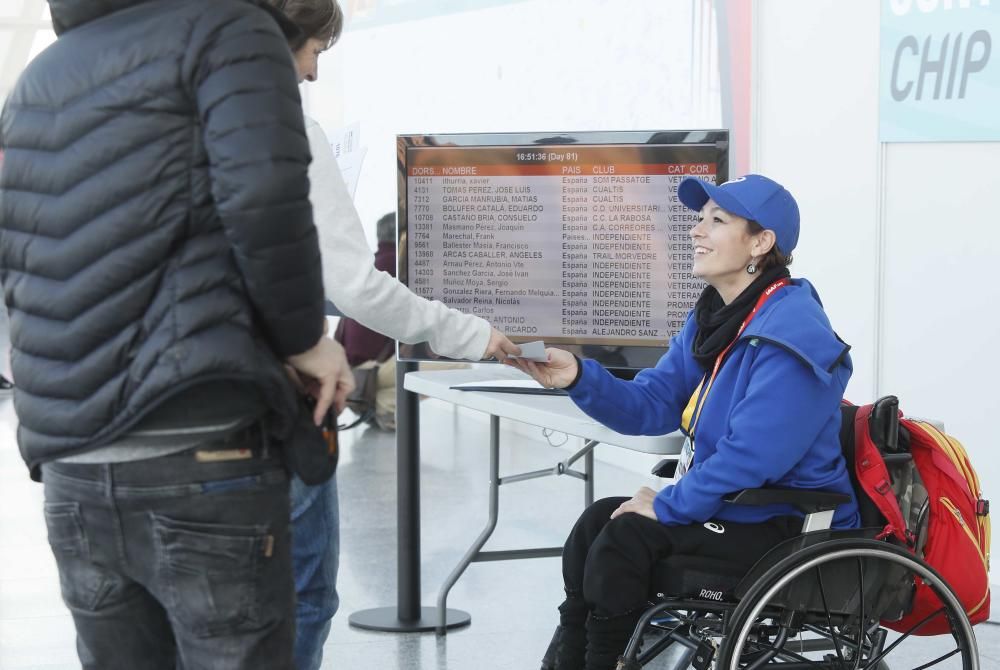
<point x="408" y="616"/>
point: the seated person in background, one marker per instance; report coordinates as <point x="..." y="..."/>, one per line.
<point x="754" y="379"/>
<point x="372" y="352"/>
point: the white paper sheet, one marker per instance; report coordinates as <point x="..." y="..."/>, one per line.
<point x="350" y="168"/>
<point x="346" y="140"/>
<point x="533" y="351"/>
<point x="347" y="149"/>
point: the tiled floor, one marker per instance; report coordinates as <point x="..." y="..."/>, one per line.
<point x="512" y="603"/>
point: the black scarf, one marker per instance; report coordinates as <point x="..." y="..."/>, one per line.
<point x="718" y="323"/>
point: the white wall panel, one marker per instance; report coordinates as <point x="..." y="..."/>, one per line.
<point x="816" y="123"/>
<point x="942" y="327"/>
<point x="816" y="131"/>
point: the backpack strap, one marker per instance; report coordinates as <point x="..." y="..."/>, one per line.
<point x="874" y="479"/>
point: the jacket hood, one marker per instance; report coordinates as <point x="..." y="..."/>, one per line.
<point x="797" y="323"/>
<point x="68" y="14"/>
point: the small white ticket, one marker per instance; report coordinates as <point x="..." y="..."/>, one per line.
<point x="533" y="351"/>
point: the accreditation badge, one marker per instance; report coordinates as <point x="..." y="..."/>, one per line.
<point x="684" y="460"/>
<point x="689" y="420"/>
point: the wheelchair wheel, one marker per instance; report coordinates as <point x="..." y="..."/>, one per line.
<point x="823" y="607"/>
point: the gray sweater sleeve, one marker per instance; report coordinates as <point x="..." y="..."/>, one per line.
<point x="374" y="298"/>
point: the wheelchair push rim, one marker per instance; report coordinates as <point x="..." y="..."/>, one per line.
<point x="871" y="637"/>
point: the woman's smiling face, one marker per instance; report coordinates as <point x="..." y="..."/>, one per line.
<point x="723" y="247"/>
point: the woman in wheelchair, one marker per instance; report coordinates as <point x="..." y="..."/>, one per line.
<point x="754" y="379"/>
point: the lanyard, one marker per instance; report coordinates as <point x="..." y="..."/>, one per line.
<point x="702" y="391"/>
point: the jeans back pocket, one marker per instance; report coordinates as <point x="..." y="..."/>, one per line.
<point x="85" y="586"/>
<point x="65" y="529"/>
<point x="211" y="573"/>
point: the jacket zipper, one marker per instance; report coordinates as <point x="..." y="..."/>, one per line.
<point x="961" y="522"/>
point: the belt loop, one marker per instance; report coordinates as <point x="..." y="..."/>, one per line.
<point x="108" y="480"/>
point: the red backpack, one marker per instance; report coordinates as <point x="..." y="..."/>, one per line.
<point x="932" y="503"/>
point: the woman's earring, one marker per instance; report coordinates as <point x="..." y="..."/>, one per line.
<point x="752" y="268"/>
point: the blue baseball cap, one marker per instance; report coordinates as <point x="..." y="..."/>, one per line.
<point x="753" y="197"/>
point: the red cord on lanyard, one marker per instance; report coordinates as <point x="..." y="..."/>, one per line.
<point x="768" y="292"/>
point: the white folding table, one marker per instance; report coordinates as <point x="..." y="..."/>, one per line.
<point x="557" y="413"/>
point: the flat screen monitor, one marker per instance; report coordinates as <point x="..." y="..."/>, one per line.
<point x="577" y="239"/>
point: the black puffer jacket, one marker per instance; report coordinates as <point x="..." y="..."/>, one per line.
<point x="155" y="226"/>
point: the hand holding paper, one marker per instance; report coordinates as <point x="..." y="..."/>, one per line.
<point x="556" y="368"/>
<point x="533" y="351"/>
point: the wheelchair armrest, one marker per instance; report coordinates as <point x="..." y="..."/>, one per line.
<point x="665" y="468"/>
<point x="808" y="502"/>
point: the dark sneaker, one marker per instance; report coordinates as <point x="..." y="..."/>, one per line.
<point x="6" y="385"/>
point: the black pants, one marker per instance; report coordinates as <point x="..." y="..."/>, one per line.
<point x="607" y="567"/>
<point x="175" y="562"/>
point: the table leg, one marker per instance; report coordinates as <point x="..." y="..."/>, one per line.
<point x="408" y="615"/>
<point x="588" y="484"/>
<point x="491" y="524"/>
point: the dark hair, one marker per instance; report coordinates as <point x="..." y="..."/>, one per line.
<point x="385" y="229"/>
<point x="772" y="258"/>
<point x="317" y="19"/>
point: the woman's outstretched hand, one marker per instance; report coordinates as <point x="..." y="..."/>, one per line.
<point x="641" y="503"/>
<point x="559" y="372"/>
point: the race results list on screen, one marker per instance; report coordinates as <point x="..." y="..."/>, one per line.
<point x="574" y="242"/>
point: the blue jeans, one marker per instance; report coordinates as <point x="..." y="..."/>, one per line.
<point x="174" y="562"/>
<point x="315" y="557"/>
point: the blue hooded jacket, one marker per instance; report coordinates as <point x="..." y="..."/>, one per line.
<point x="771" y="418"/>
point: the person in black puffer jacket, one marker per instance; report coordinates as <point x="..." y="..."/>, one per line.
<point x="160" y="265"/>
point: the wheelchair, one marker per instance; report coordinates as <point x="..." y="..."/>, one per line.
<point x="822" y="600"/>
